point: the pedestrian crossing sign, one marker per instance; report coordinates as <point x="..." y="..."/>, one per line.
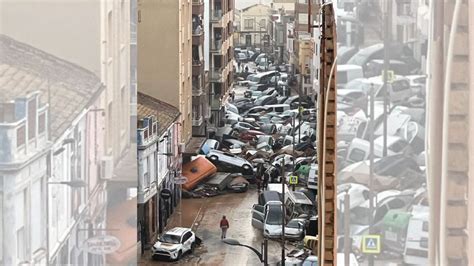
<point x="293" y="180"/>
<point x="371" y="244"/>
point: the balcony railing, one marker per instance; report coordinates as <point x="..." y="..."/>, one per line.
<point x="216" y="45"/>
<point x="216" y="74"/>
<point x="216" y="15"/>
<point x="197" y="120"/>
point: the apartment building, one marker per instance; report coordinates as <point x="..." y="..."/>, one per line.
<point x="221" y="55"/>
<point x="200" y="80"/>
<point x="165" y="55"/>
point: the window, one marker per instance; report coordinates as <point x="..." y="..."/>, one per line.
<point x="42" y="123"/>
<point x="20" y="222"/>
<point x="357" y="155"/>
<point x="248" y="24"/>
<point x="263" y="24"/>
<point x="425" y="226"/>
<point x="20" y="136"/>
<point x="31" y="119"/>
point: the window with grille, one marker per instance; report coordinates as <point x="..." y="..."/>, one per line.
<point x="31" y="119"/>
<point x="20" y="136"/>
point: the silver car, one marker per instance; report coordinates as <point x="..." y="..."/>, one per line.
<point x="216" y="156"/>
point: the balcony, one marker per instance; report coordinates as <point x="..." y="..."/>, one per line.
<point x="216" y="74"/>
<point x="216" y="46"/>
<point x="198" y="7"/>
<point x="216" y="15"/>
<point x="198" y="67"/>
<point x="198" y="36"/>
<point x="197" y="120"/>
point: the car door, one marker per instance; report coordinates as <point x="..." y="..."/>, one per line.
<point x="187" y="241"/>
<point x="258" y="216"/>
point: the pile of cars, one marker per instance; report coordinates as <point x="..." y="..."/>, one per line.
<point x="398" y="185"/>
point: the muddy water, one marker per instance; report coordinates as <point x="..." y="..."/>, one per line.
<point x="203" y="215"/>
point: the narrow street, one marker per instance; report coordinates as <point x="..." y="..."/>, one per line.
<point x="203" y="216"/>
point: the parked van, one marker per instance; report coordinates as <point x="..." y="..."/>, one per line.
<point x="277" y="108"/>
<point x="359" y="149"/>
<point x="268" y="218"/>
<point x="298" y="205"/>
<point x="313" y="177"/>
<point x="269" y="195"/>
<point x="262" y="78"/>
<point x="346" y="73"/>
<point x="277" y="188"/>
<point x="416" y="245"/>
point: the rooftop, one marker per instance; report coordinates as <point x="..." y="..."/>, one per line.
<point x="165" y="113"/>
<point x="68" y="88"/>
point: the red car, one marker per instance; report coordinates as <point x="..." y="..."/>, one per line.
<point x="250" y="135"/>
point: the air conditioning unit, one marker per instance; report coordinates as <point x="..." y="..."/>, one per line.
<point x="181" y="147"/>
<point x="106" y="167"/>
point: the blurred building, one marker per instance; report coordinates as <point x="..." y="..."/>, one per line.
<point x="219" y="33"/>
<point x="450" y="130"/>
<point x="89" y="145"/>
<point x="165" y="55"/>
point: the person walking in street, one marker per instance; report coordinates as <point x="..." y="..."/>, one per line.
<point x="224" y="226"/>
<point x="246" y="69"/>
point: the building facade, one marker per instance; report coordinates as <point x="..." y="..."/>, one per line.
<point x="221" y="55"/>
<point x="254" y="30"/>
<point x="158" y="164"/>
<point x="200" y="83"/>
<point x="165" y="55"/>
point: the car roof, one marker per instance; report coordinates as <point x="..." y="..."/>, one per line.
<point x="178" y="231"/>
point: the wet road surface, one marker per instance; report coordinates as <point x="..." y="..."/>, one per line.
<point x="203" y="215"/>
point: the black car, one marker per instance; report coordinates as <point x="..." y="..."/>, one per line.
<point x="243" y="104"/>
<point x="294" y="101"/>
<point x="265" y="100"/>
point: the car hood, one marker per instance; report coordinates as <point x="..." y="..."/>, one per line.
<point x="292" y="231"/>
<point x="165" y="246"/>
<point x="273" y="229"/>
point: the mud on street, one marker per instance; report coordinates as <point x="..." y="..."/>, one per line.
<point x="203" y="216"/>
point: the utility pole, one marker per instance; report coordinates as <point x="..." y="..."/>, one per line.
<point x="371" y="175"/>
<point x="347" y="231"/>
<point x="386" y="62"/>
<point x="284" y="212"/>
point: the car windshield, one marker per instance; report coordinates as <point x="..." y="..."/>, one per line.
<point x="358" y="59"/>
<point x="274" y="216"/>
<point x="293" y="224"/>
<point x="168" y="238"/>
<point x="255" y="79"/>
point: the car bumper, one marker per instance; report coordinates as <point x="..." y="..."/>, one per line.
<point x="164" y="254"/>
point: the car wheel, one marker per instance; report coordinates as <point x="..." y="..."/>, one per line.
<point x="180" y="254"/>
<point x="213" y="158"/>
<point x="193" y="247"/>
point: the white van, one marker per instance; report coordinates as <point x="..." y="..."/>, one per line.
<point x="346" y="73"/>
<point x="313" y="177"/>
<point x="277" y="108"/>
<point x="297" y="204"/>
<point x="416" y="244"/>
<point x="359" y="149"/>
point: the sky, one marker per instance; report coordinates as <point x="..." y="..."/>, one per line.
<point x="239" y="4"/>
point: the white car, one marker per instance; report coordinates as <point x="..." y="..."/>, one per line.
<point x="216" y="156"/>
<point x="174" y="243"/>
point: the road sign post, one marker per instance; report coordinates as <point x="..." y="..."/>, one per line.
<point x="371" y="244"/>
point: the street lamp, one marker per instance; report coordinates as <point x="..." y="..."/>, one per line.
<point x="234" y="242"/>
